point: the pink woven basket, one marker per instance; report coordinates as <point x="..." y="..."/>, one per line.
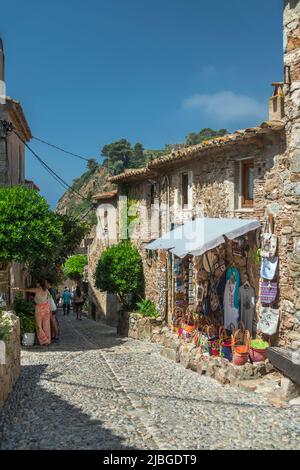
<point x="240" y="359"/>
<point x="257" y="355"/>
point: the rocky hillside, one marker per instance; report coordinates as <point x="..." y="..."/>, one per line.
<point x="87" y="185"/>
<point x="118" y="156"/>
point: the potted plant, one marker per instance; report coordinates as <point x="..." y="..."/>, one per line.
<point x="28" y="328"/>
<point x="147" y="308"/>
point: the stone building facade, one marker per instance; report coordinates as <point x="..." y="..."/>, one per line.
<point x="252" y="173"/>
<point x="102" y="305"/>
<point x="12" y="167"/>
<point x="213" y="172"/>
<point x="283" y="183"/>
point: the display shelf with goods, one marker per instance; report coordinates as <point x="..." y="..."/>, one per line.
<point x="213" y="293"/>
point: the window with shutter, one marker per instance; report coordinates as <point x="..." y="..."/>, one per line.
<point x="247" y="183"/>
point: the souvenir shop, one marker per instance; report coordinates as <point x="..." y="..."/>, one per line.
<point x="225" y="288"/>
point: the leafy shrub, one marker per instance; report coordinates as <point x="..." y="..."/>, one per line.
<point x="74" y="267"/>
<point x="27" y="324"/>
<point x="29" y="230"/>
<point x="5" y="327"/>
<point x="23" y="307"/>
<point x="147" y="308"/>
<point x="119" y="271"/>
<point x="25" y="311"/>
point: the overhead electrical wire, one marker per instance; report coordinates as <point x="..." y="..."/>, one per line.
<point x="57" y="147"/>
<point x="61" y="149"/>
<point x="10" y="128"/>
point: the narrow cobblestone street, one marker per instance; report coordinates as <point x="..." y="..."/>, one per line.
<point x="94" y="390"/>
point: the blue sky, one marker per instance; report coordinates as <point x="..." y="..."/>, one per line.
<point x="91" y="72"/>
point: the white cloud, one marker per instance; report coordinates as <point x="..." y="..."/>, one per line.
<point x="226" y="106"/>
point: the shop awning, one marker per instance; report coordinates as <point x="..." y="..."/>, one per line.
<point x="200" y="235"/>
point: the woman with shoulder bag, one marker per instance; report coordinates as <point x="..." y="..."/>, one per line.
<point x="78" y="303"/>
<point x="53" y="308"/>
<point x="42" y="311"/>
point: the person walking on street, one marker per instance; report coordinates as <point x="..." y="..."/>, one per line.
<point x="53" y="318"/>
<point x="67" y="297"/>
<point x="42" y="311"/>
<point x="78" y="302"/>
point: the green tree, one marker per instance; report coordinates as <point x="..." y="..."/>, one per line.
<point x="118" y="155"/>
<point x="138" y="158"/>
<point x="73" y="233"/>
<point x="29" y="230"/>
<point x="92" y="165"/>
<point x="120" y="271"/>
<point x="206" y="133"/>
<point x="74" y="267"/>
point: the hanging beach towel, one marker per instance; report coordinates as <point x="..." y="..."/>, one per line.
<point x="268" y="241"/>
<point x="268" y="268"/>
<point x="268" y="292"/>
<point x="268" y="321"/>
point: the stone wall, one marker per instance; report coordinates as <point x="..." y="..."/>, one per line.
<point x="14" y="275"/>
<point x="282" y="185"/>
<point x="10" y="366"/>
<point x="216" y="182"/>
<point x="135" y="326"/>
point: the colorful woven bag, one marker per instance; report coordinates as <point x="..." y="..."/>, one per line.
<point x="268" y="292"/>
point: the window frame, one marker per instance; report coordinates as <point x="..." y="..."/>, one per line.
<point x="152" y="194"/>
<point x="245" y="166"/>
<point x="184" y="190"/>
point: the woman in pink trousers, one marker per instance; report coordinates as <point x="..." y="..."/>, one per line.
<point x="42" y="311"/>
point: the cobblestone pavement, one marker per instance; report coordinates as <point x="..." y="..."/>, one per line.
<point x="96" y="391"/>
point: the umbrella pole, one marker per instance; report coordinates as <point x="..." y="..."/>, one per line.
<point x="213" y="283"/>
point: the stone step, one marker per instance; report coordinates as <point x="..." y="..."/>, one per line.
<point x="287" y="361"/>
